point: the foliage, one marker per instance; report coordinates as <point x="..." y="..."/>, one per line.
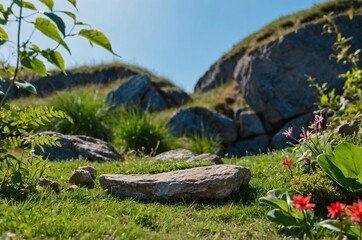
<point x="344" y="165"/>
<point x="322" y="189"/>
<point x="204" y="144"/>
<point x="18" y="175"/>
<point x="89" y="113"/>
<point x="138" y="131"/>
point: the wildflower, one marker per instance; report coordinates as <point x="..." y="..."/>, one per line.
<point x="288" y="132"/>
<point x="318" y="119"/>
<point x="288" y="162"/>
<point x="305" y="135"/>
<point x="335" y="209"/>
<point x="302" y="203"/>
<point x="355" y="211"/>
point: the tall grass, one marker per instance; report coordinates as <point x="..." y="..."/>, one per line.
<point x="204" y="144"/>
<point x="90" y="115"/>
<point x="137" y="130"/>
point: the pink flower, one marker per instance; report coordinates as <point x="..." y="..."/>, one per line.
<point x="335" y="209"/>
<point x="305" y="135"/>
<point x="355" y="211"/>
<point x="302" y="203"/>
<point x="288" y="133"/>
<point x="318" y="119"/>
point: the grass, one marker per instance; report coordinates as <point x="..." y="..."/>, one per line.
<point x="91" y="214"/>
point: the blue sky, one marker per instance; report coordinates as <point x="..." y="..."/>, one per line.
<point x="177" y="39"/>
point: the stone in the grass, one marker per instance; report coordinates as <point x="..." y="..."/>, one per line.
<point x="177" y="154"/>
<point x="45" y="182"/>
<point x="82" y="178"/>
<point x="90" y="169"/>
<point x="206" y="157"/>
<point x="201" y="183"/>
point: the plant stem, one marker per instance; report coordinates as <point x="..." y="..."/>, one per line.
<point x="17" y="58"/>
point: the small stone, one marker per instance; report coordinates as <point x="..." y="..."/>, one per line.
<point x="72" y="188"/>
<point x="82" y="178"/>
<point x="348" y="129"/>
<point x="207" y="157"/>
<point x="44" y="182"/>
<point x="91" y="170"/>
<point x="177" y="154"/>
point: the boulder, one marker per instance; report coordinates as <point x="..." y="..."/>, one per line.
<point x="140" y="91"/>
<point x="207" y="157"/>
<point x="273" y="77"/>
<point x="250" y="125"/>
<point x="177" y="154"/>
<point x="254" y="145"/>
<point x="74" y="146"/>
<point x="201" y="183"/>
<point x="81" y="178"/>
<point x="90" y="169"/>
<point x="280" y="141"/>
<point x="200" y="121"/>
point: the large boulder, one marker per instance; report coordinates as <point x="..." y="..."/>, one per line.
<point x="74" y="146"/>
<point x="273" y="77"/>
<point x="250" y="125"/>
<point x="201" y="183"/>
<point x="198" y="121"/>
<point x="140" y="91"/>
<point x="244" y="147"/>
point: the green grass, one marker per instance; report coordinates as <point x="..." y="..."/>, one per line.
<point x="91" y="214"/>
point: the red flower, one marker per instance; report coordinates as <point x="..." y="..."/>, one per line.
<point x="302" y="203"/>
<point x="288" y="162"/>
<point x="355" y="211"/>
<point x="335" y="209"/>
<point x="288" y="133"/>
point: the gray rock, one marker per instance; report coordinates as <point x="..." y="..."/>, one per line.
<point x="280" y="141"/>
<point x="250" y="125"/>
<point x="349" y="129"/>
<point x="273" y="77"/>
<point x="177" y="154"/>
<point x="200" y="121"/>
<point x="201" y="183"/>
<point x="74" y="146"/>
<point x="44" y="182"/>
<point x="72" y="188"/>
<point x="82" y="178"/>
<point x="90" y="169"/>
<point x="207" y="157"/>
<point x="254" y="145"/>
<point x="140" y="91"/>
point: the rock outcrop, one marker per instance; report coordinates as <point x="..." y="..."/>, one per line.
<point x="140" y="91"/>
<point x="201" y="183"/>
<point x="74" y="146"/>
<point x="198" y="121"/>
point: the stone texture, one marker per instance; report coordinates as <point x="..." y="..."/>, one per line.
<point x="201" y="183"/>
<point x="90" y="169"/>
<point x="250" y="125"/>
<point x="81" y="178"/>
<point x="199" y="121"/>
<point x="254" y="145"/>
<point x="207" y="157"/>
<point x="273" y="77"/>
<point x="349" y="129"/>
<point x="140" y="91"/>
<point x="45" y="182"/>
<point x="74" y="146"/>
<point x="280" y="141"/>
<point x="177" y="154"/>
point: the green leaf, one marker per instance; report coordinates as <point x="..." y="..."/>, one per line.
<point x="48" y="3"/>
<point x="71" y="15"/>
<point x="25" y="4"/>
<point x="25" y="85"/>
<point x="35" y="48"/>
<point x="334" y="225"/>
<point x="274" y="202"/>
<point x="73" y="2"/>
<point x="55" y="58"/>
<point x="284" y="218"/>
<point x="3" y="35"/>
<point x="34" y="64"/>
<point x="58" y="21"/>
<point x="97" y="37"/>
<point x="50" y="30"/>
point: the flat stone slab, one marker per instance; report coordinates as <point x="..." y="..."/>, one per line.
<point x="176" y="154"/>
<point x="201" y="183"/>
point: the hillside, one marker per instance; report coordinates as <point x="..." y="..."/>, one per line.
<point x="222" y="70"/>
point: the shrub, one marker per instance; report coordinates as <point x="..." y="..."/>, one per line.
<point x="138" y="131"/>
<point x="204" y="144"/>
<point x="90" y="115"/>
<point x="322" y="189"/>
